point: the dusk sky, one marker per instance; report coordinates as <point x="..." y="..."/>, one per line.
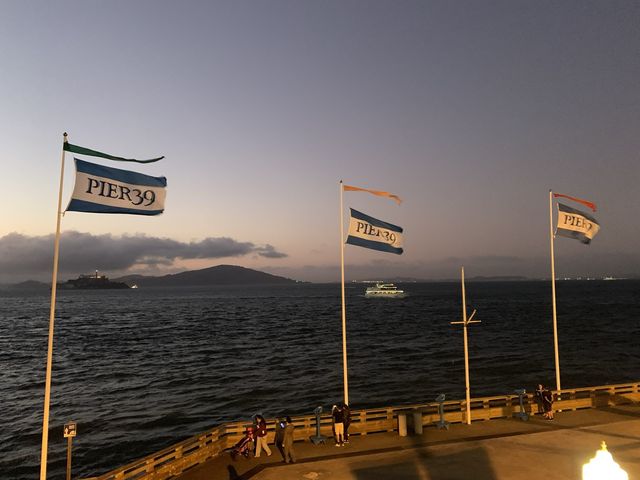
<point x="470" y="111"/>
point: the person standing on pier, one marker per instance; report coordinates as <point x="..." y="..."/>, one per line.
<point x="289" y="454"/>
<point x="538" y="396"/>
<point x="347" y="421"/>
<point x="544" y="399"/>
<point x="338" y="422"/>
<point x="261" y="436"/>
<point x="547" y="399"/>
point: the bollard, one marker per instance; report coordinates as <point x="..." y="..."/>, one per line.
<point x="442" y="423"/>
<point x="417" y="422"/>
<point x="522" y="415"/>
<point x="402" y="424"/>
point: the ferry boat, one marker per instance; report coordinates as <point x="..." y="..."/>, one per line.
<point x="384" y="290"/>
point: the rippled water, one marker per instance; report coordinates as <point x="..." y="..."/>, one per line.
<point x="142" y="369"/>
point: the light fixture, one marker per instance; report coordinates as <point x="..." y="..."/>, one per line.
<point x="602" y="467"/>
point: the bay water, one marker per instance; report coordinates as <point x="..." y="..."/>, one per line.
<point x="142" y="369"/>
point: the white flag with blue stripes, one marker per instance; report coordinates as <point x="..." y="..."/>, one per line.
<point x="101" y="189"/>
<point x="369" y="232"/>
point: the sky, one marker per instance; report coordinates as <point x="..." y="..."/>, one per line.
<point x="470" y="111"/>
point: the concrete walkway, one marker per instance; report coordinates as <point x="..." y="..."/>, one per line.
<point x="486" y="450"/>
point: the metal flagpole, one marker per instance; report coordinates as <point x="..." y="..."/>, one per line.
<point x="344" y="310"/>
<point x="464" y="323"/>
<point x="553" y="293"/>
<point x="54" y="281"/>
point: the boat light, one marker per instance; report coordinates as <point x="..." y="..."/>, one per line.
<point x="602" y="467"/>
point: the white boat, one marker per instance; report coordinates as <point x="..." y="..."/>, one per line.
<point x="384" y="290"/>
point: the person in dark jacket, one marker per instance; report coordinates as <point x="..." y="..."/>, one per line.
<point x="261" y="436"/>
<point x="547" y="399"/>
<point x="544" y="399"/>
<point x="538" y="397"/>
<point x="347" y="421"/>
<point x="289" y="454"/>
<point x="279" y="435"/>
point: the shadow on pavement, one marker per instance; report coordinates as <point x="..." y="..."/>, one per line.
<point x="620" y="411"/>
<point x="472" y="463"/>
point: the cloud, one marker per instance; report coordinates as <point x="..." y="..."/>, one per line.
<point x="22" y="255"/>
<point x="269" y="251"/>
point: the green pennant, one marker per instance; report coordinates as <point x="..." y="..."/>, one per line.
<point x="69" y="147"/>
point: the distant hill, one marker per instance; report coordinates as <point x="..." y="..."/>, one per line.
<point x="501" y="278"/>
<point x="28" y="285"/>
<point x="219" y="275"/>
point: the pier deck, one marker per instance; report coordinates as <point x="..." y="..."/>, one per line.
<point x="485" y="450"/>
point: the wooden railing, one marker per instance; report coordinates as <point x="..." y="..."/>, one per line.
<point x="176" y="459"/>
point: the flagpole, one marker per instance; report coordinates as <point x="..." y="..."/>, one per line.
<point x="465" y="323"/>
<point x="52" y="311"/>
<point x="344" y="310"/>
<point x="466" y="350"/>
<point x="553" y="293"/>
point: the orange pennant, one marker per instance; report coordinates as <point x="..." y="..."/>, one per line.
<point x="379" y="193"/>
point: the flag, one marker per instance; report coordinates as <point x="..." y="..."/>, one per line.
<point x="379" y="193"/>
<point x="101" y="189"/>
<point x="369" y="232"/>
<point x="573" y="223"/>
<point x="94" y="153"/>
<point x="586" y="203"/>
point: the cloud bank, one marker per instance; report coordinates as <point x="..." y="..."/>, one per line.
<point x="22" y="256"/>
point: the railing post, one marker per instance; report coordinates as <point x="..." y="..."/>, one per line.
<point x="417" y="421"/>
<point x="363" y="422"/>
<point x="402" y="424"/>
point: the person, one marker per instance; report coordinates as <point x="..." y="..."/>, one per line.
<point x="547" y="399"/>
<point x="347" y="421"/>
<point x="261" y="436"/>
<point x="245" y="446"/>
<point x="289" y="454"/>
<point x="338" y="422"/>
<point x="544" y="399"/>
<point x="538" y="397"/>
<point x="279" y="436"/>
<point x="333" y="421"/>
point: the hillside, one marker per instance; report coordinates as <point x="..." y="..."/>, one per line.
<point x="218" y="275"/>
